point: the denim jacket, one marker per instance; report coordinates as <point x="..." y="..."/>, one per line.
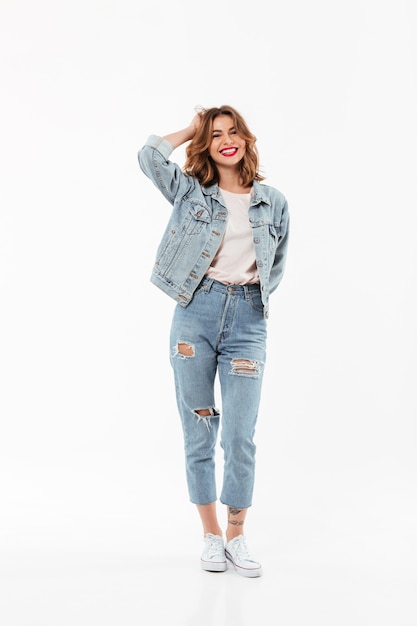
<point x="197" y="224"/>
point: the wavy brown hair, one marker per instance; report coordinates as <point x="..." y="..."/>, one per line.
<point x="198" y="161"/>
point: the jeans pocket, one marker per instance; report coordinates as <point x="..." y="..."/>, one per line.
<point x="256" y="301"/>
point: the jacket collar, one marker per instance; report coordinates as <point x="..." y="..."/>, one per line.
<point x="259" y="194"/>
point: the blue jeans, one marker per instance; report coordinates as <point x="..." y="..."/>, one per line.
<point x="221" y="331"/>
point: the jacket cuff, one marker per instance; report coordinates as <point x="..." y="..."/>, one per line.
<point x="162" y="145"/>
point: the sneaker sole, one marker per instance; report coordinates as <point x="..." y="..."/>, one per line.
<point x="247" y="573"/>
<point x="213" y="567"/>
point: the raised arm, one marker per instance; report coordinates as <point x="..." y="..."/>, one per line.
<point x="186" y="134"/>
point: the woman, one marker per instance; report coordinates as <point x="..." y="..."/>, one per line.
<point x="222" y="254"/>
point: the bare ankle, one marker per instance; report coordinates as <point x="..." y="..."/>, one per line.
<point x="208" y="515"/>
<point x="235" y="522"/>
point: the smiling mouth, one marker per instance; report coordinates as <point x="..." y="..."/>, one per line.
<point x="228" y="152"/>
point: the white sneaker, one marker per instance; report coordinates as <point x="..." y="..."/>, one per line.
<point x="237" y="552"/>
<point x="213" y="558"/>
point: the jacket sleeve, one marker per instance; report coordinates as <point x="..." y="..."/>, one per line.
<point x="278" y="265"/>
<point x="154" y="161"/>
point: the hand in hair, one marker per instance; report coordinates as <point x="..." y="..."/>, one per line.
<point x="196" y="121"/>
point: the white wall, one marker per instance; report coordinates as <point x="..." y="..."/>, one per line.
<point x="90" y="444"/>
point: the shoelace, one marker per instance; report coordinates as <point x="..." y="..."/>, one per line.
<point x="242" y="549"/>
<point x="215" y="546"/>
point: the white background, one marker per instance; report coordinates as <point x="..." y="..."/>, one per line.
<point x="92" y="478"/>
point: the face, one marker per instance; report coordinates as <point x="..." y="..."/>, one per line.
<point x="227" y="149"/>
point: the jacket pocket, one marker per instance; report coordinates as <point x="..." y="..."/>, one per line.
<point x="199" y="211"/>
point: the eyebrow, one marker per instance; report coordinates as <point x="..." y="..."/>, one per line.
<point x="219" y="130"/>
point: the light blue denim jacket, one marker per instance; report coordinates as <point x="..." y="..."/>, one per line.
<point x="198" y="222"/>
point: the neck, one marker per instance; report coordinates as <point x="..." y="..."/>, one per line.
<point x="230" y="181"/>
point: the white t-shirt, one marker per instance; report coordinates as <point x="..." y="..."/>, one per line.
<point x="234" y="263"/>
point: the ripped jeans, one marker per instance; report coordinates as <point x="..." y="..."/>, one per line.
<point x="221" y="332"/>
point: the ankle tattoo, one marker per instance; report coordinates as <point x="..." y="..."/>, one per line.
<point x="234" y="522"/>
<point x="233" y="511"/>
